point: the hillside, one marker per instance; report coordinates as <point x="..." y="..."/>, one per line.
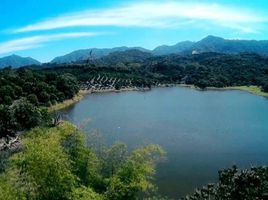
<point x="17" y="61"/>
<point x="93" y="53"/>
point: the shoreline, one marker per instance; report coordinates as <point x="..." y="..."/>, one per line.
<point x="250" y="89"/>
<point x="82" y="93"/>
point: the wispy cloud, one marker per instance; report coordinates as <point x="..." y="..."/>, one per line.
<point x="37" y="41"/>
<point x="154" y="15"/>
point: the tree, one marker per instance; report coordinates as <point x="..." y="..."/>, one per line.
<point x="32" y="98"/>
<point x="67" y="84"/>
<point x="114" y="158"/>
<point x="233" y="183"/>
<point x="265" y="87"/>
<point x="42" y="170"/>
<point x="135" y="174"/>
<point x="25" y="114"/>
<point x="55" y="164"/>
<point x="8" y="124"/>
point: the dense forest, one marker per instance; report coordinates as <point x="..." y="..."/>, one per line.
<point x="25" y="94"/>
<point x="202" y="70"/>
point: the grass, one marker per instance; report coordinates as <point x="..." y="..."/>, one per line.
<point x="252" y="89"/>
<point x="65" y="103"/>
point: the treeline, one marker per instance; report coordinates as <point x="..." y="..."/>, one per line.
<point x="25" y="94"/>
<point x="55" y="163"/>
<point x="39" y="88"/>
<point x="211" y="70"/>
<point x="202" y="70"/>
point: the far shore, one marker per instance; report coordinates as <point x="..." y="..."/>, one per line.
<point x="251" y="89"/>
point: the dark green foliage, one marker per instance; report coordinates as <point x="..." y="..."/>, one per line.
<point x="25" y="114"/>
<point x="202" y="70"/>
<point x="23" y="92"/>
<point x="21" y="115"/>
<point x="8" y="124"/>
<point x="67" y="85"/>
<point x="32" y="98"/>
<point x="236" y="184"/>
<point x="265" y="87"/>
<point x="40" y="88"/>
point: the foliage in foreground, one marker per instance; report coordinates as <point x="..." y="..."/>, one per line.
<point x="56" y="164"/>
<point x="235" y="184"/>
<point x="21" y="115"/>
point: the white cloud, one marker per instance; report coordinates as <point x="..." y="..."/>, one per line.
<point x="37" y="41"/>
<point x="154" y="15"/>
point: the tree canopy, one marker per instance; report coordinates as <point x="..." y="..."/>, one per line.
<point x="55" y="163"/>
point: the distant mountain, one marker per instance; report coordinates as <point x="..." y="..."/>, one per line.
<point x="124" y="54"/>
<point x="217" y="45"/>
<point x="124" y="57"/>
<point x="93" y="53"/>
<point x="175" y="49"/>
<point x="17" y="61"/>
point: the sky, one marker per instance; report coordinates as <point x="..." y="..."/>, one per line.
<point x="44" y="29"/>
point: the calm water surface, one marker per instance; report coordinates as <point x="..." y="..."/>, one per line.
<point x="201" y="131"/>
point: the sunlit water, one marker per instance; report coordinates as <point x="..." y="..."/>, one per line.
<point x="202" y="132"/>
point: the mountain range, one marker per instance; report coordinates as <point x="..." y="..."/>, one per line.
<point x="208" y="44"/>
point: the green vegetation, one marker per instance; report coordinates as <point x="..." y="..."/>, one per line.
<point x="65" y="103"/>
<point x="25" y="94"/>
<point x="55" y="163"/>
<point x="201" y="70"/>
<point x="252" y="89"/>
<point x="236" y="184"/>
<point x="39" y="88"/>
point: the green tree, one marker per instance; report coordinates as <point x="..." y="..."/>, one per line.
<point x="32" y="98"/>
<point x="8" y="124"/>
<point x="25" y="114"/>
<point x="136" y="174"/>
<point x="42" y="170"/>
<point x="55" y="164"/>
<point x="67" y="84"/>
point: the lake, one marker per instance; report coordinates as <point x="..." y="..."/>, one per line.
<point x="202" y="131"/>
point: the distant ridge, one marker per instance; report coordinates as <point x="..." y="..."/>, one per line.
<point x="174" y="49"/>
<point x="93" y="53"/>
<point x="208" y="44"/>
<point x="16" y="61"/>
<point x="217" y="45"/>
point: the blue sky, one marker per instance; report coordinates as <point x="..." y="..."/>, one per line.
<point x="45" y="29"/>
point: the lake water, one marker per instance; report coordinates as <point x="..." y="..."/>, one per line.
<point x="202" y="131"/>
